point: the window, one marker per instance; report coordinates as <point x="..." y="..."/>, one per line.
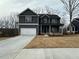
<point x="22" y="19"/>
<point x="45" y="20"/>
<point x="54" y="21"/>
<point x="28" y="19"/>
<point x="34" y="18"/>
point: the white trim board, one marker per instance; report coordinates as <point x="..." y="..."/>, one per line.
<point x="27" y="24"/>
<point x="45" y="15"/>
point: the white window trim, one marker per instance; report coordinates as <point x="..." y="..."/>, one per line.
<point x="45" y="15"/>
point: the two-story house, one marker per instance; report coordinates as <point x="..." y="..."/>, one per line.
<point x="31" y="23"/>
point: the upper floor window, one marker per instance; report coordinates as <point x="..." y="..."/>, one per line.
<point x="28" y="19"/>
<point x="34" y="18"/>
<point x="45" y="20"/>
<point x="54" y="21"/>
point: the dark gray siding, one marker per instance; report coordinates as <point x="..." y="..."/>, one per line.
<point x="54" y="21"/>
<point x="35" y="19"/>
<point x="21" y="19"/>
<point x="28" y="16"/>
<point x="45" y="20"/>
<point x="24" y="19"/>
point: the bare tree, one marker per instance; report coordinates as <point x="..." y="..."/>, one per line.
<point x="38" y="10"/>
<point x="1" y="22"/>
<point x="12" y="21"/>
<point x="63" y="19"/>
<point x="8" y="21"/>
<point x="46" y="10"/>
<point x="51" y="10"/>
<point x="71" y="6"/>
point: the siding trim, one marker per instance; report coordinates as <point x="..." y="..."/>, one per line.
<point x="45" y="15"/>
<point x="28" y="15"/>
<point x="27" y="24"/>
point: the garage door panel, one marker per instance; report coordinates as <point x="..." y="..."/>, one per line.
<point x="28" y="31"/>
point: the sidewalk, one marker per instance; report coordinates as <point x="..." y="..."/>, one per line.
<point x="50" y="53"/>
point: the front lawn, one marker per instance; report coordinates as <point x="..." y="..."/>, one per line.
<point x="69" y="41"/>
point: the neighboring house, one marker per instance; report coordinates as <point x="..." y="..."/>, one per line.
<point x="75" y="25"/>
<point x="31" y="23"/>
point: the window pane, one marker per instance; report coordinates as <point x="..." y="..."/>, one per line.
<point x="34" y="18"/>
<point x="45" y="20"/>
<point x="28" y="19"/>
<point x="22" y="19"/>
<point x="54" y="21"/>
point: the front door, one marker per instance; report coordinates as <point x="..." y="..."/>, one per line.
<point x="45" y="29"/>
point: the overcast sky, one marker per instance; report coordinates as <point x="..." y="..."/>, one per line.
<point x="17" y="6"/>
<point x="11" y="6"/>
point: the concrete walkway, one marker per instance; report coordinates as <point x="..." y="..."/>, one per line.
<point x="9" y="48"/>
<point x="54" y="53"/>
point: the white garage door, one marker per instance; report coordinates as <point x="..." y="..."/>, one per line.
<point x="28" y="31"/>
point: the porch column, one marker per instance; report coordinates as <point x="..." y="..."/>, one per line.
<point x="41" y="29"/>
<point x="49" y="29"/>
<point x="62" y="30"/>
<point x="74" y="28"/>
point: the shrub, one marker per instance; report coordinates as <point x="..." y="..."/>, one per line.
<point x="9" y="32"/>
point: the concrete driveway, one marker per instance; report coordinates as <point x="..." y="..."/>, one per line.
<point x="9" y="48"/>
<point x="13" y="49"/>
<point x="50" y="53"/>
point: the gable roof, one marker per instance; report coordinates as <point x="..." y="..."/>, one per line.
<point x="44" y="15"/>
<point x="77" y="19"/>
<point x="75" y="22"/>
<point x="50" y="16"/>
<point x="28" y="12"/>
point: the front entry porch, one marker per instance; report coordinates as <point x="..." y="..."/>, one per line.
<point x="50" y="30"/>
<point x="45" y="29"/>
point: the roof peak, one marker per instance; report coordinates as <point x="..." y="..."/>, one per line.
<point x="26" y="10"/>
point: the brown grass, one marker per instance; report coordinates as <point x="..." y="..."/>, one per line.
<point x="71" y="41"/>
